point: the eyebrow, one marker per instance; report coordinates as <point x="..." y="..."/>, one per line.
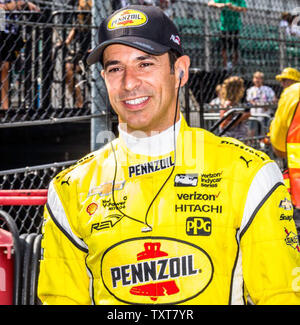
<point x="139" y="58"/>
<point x="111" y="62"/>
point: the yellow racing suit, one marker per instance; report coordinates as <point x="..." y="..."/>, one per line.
<point x="284" y="114"/>
<point x="208" y="223"/>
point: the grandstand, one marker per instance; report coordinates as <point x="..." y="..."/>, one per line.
<point x="43" y="131"/>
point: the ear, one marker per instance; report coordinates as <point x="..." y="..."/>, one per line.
<point x="182" y="70"/>
<point x="102" y="73"/>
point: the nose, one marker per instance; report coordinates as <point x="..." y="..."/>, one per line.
<point x="131" y="80"/>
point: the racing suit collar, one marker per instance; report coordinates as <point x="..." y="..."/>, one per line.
<point x="158" y="144"/>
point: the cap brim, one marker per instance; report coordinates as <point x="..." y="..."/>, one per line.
<point x="142" y="44"/>
<point x="282" y="76"/>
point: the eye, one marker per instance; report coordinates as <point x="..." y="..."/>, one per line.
<point x="146" y="64"/>
<point x="113" y="69"/>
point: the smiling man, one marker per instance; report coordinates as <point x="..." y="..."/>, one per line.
<point x="141" y="88"/>
<point x="165" y="213"/>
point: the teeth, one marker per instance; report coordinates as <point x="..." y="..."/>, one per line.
<point x="136" y="101"/>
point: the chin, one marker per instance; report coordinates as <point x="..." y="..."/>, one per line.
<point x="137" y="124"/>
<point x="138" y="127"/>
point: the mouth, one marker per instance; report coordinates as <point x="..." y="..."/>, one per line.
<point x="136" y="103"/>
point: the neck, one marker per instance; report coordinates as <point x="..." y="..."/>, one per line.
<point x="158" y="143"/>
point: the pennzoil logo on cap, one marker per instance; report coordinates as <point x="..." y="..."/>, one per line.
<point x="127" y="18"/>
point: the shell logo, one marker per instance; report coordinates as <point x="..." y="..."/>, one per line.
<point x="127" y="18"/>
<point x="158" y="270"/>
<point x="91" y="208"/>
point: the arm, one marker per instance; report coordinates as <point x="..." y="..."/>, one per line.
<point x="83" y="5"/>
<point x="70" y="36"/>
<point x="63" y="278"/>
<point x="228" y="5"/>
<point x="236" y="8"/>
<point x="243" y="118"/>
<point x="274" y="99"/>
<point x="280" y="124"/>
<point x="268" y="241"/>
<point x="226" y="121"/>
<point x="19" y="5"/>
<point x="216" y="5"/>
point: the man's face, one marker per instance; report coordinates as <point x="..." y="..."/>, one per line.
<point x="258" y="81"/>
<point x="286" y="83"/>
<point x="141" y="88"/>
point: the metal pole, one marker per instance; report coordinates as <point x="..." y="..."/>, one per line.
<point x="207" y="52"/>
<point x="98" y="91"/>
<point x="282" y="49"/>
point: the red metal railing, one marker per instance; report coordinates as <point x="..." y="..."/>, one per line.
<point x="23" y="197"/>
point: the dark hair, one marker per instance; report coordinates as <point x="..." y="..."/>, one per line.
<point x="173" y="56"/>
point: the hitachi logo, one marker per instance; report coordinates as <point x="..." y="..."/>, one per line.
<point x="150" y="167"/>
<point x="162" y="269"/>
<point x="198" y="208"/>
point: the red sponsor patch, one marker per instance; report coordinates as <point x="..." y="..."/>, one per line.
<point x="91" y="208"/>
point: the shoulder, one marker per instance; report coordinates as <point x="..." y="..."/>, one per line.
<point x="252" y="165"/>
<point x="294" y="88"/>
<point x="241" y="161"/>
<point x="235" y="148"/>
<point x="250" y="92"/>
<point x="289" y="98"/>
<point x="258" y="173"/>
<point x="291" y="93"/>
<point x="84" y="166"/>
<point x="250" y="173"/>
<point x="267" y="88"/>
<point x="230" y="153"/>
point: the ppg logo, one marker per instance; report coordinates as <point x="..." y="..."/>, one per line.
<point x="198" y="226"/>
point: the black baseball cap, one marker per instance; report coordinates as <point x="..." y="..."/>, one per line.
<point x="146" y="28"/>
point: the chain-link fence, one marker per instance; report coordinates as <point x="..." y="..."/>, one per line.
<point x="44" y="78"/>
<point x="28" y="217"/>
